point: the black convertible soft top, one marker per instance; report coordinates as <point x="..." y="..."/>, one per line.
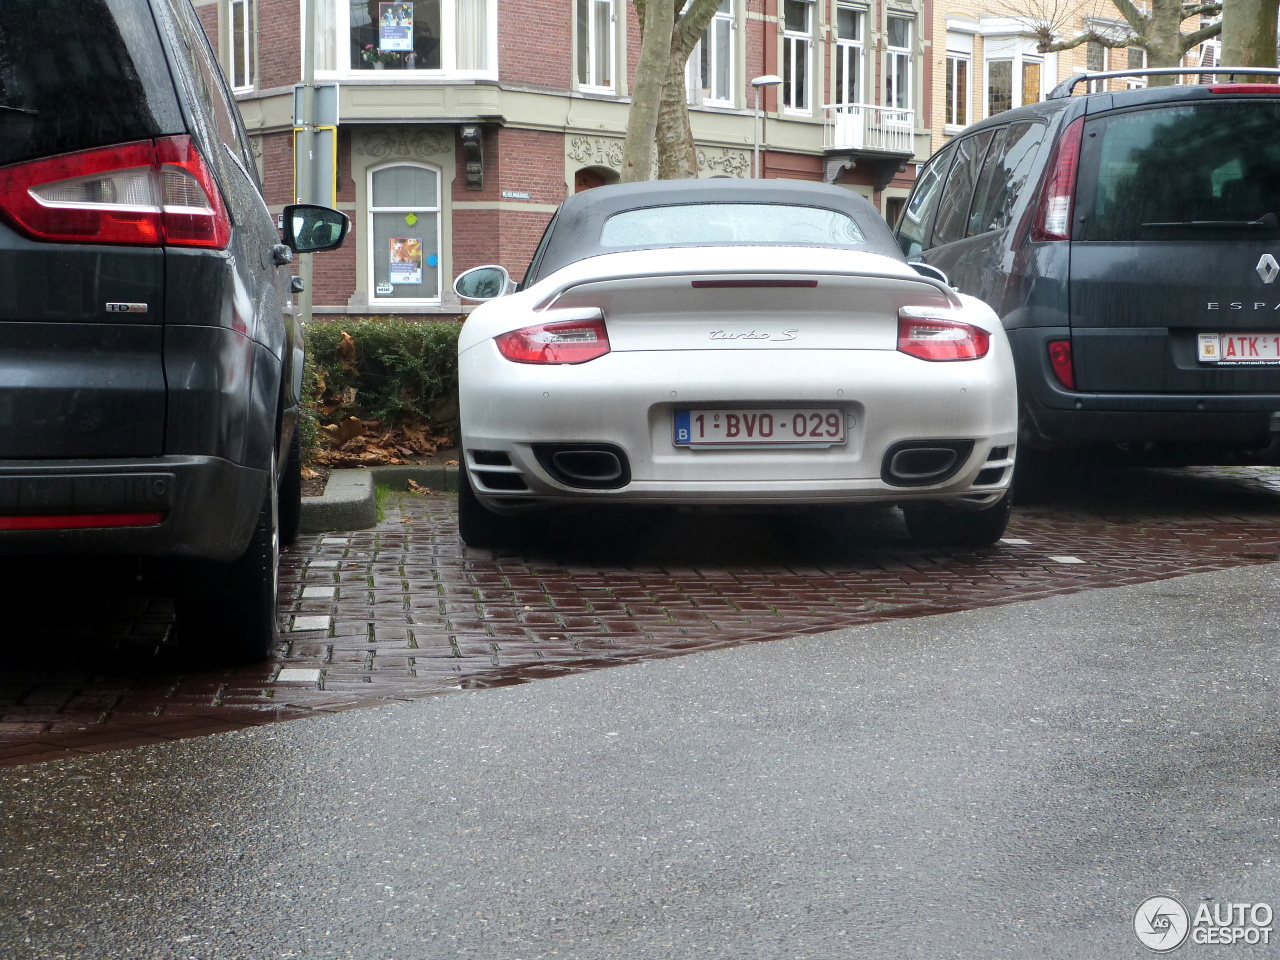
<point x="574" y="231"/>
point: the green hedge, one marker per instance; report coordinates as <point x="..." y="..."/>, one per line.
<point x="401" y="371"/>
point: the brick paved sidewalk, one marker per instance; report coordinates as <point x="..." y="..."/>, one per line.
<point x="405" y="611"/>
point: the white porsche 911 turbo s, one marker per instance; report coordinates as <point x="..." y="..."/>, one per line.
<point x="713" y="342"/>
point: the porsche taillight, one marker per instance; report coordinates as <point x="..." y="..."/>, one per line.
<point x="149" y="193"/>
<point x="933" y="338"/>
<point x="571" y="341"/>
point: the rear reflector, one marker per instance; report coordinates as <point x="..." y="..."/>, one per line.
<point x="574" y="341"/>
<point x="1057" y="199"/>
<point x="725" y="284"/>
<point x="148" y="193"/>
<point x="1063" y="367"/>
<point x="79" y="521"/>
<point x="928" y="338"/>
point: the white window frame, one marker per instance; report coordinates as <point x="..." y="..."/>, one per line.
<point x="957" y="106"/>
<point x="721" y="21"/>
<point x="893" y="56"/>
<point x="1135" y="83"/>
<point x="370" y="210"/>
<point x="237" y="60"/>
<point x="335" y="17"/>
<point x="592" y="84"/>
<point x="793" y="41"/>
<point x="1007" y="45"/>
<point x="846" y="50"/>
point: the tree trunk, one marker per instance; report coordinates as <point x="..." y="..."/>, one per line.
<point x="1164" y="31"/>
<point x="651" y="71"/>
<point x="677" y="155"/>
<point x="1249" y="34"/>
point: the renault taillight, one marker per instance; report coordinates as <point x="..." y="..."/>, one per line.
<point x="1057" y="198"/>
<point x="148" y="193"/>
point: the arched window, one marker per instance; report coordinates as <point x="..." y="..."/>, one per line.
<point x="404" y="232"/>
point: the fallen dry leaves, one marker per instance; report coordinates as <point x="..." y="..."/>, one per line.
<point x="368" y="443"/>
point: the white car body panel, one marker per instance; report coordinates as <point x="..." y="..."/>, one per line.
<point x="833" y="345"/>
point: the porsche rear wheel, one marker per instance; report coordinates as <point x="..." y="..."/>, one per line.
<point x="941" y="525"/>
<point x="480" y="527"/>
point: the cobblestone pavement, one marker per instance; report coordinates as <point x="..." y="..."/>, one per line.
<point x="405" y="611"/>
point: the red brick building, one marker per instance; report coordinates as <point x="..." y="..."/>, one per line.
<point x="462" y="123"/>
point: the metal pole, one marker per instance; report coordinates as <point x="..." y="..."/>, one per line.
<point x="755" y="154"/>
<point x="305" y="172"/>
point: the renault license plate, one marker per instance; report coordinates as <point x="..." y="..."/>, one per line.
<point x="1239" y="348"/>
<point x="812" y="426"/>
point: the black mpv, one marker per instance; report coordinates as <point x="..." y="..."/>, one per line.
<point x="1130" y="242"/>
<point x="152" y="367"/>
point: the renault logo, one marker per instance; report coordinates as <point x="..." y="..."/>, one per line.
<point x="1268" y="268"/>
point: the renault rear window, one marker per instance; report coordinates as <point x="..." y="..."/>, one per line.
<point x="1202" y="171"/>
<point x="716" y="224"/>
<point x="78" y="74"/>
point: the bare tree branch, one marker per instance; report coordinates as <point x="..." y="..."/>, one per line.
<point x="1197" y="37"/>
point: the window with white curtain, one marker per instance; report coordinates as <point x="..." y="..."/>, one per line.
<point x="240" y="49"/>
<point x="364" y="37"/>
<point x="404" y="232"/>
<point x="596" y="51"/>
<point x="847" y="81"/>
<point x="797" y="55"/>
<point x="711" y="65"/>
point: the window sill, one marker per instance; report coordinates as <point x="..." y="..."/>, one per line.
<point x="407" y="76"/>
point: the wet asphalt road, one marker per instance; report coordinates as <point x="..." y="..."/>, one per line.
<point x="1004" y="782"/>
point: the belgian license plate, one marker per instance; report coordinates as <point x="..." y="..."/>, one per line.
<point x="751" y="426"/>
<point x="1229" y="348"/>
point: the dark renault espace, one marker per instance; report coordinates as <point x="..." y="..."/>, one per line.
<point x="1130" y="243"/>
<point x="151" y="366"/>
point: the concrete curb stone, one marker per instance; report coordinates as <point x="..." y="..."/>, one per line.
<point x="349" y="501"/>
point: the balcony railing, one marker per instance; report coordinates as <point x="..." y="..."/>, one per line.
<point x="865" y="126"/>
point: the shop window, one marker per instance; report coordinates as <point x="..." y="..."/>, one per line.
<point x="797" y="54"/>
<point x="444" y="36"/>
<point x="404" y="233"/>
<point x="596" y="47"/>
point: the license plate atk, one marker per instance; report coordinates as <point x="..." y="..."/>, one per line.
<point x="780" y="425"/>
<point x="1229" y="348"/>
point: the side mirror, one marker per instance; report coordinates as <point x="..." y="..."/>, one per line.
<point x="483" y="283"/>
<point x="309" y="228"/>
<point x="930" y="271"/>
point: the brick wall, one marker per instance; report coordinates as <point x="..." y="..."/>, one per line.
<point x="525" y="160"/>
<point x="279" y="53"/>
<point x="534" y="43"/>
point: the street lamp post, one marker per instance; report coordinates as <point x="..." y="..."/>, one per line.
<point x="768" y="80"/>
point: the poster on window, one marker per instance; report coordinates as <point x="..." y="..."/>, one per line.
<point x="395" y="26"/>
<point x="406" y="260"/>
